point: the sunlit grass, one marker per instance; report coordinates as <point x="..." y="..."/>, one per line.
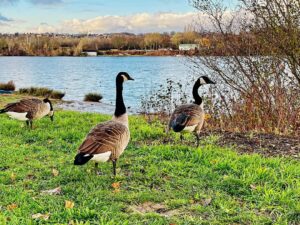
<point x="205" y="185"/>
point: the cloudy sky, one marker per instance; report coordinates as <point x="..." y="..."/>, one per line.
<point x="96" y="16"/>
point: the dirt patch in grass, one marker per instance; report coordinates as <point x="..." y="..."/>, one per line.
<point x="264" y="144"/>
<point x="151" y="207"/>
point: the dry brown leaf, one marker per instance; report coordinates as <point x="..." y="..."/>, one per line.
<point x="116" y="185"/>
<point x="207" y="116"/>
<point x="13" y="176"/>
<point x="40" y="216"/>
<point x="69" y="204"/>
<point x="253" y="186"/>
<point x="206" y="202"/>
<point x="55" y="172"/>
<point x="55" y="191"/>
<point x="31" y="176"/>
<point x="12" y="206"/>
<point x="116" y="191"/>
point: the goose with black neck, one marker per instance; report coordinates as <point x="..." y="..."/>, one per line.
<point x="108" y="140"/>
<point x="190" y="117"/>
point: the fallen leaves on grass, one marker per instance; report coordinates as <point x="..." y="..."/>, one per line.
<point x="253" y="186"/>
<point x="55" y="191"/>
<point x="116" y="186"/>
<point x="206" y="202"/>
<point x="69" y="204"/>
<point x="12" y="206"/>
<point x="40" y="216"/>
<point x="13" y="177"/>
<point x="55" y="172"/>
<point x="31" y="176"/>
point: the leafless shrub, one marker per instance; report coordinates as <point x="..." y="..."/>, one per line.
<point x="257" y="92"/>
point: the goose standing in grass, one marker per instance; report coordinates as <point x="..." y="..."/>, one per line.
<point x="29" y="110"/>
<point x="190" y="117"/>
<point x="108" y="140"/>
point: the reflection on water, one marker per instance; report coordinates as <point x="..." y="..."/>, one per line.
<point x="80" y="75"/>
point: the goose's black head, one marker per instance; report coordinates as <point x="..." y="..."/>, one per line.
<point x="205" y="80"/>
<point x="123" y="76"/>
<point x="51" y="113"/>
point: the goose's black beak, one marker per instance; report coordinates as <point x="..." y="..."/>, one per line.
<point x="130" y="78"/>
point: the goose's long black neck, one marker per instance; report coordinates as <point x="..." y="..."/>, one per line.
<point x="197" y="98"/>
<point x="120" y="106"/>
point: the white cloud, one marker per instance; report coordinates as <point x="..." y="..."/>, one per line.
<point x="143" y="23"/>
<point x="137" y="23"/>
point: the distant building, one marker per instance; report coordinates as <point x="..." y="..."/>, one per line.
<point x="187" y="47"/>
<point x="89" y="53"/>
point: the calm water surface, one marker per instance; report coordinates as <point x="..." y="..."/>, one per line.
<point x="79" y="75"/>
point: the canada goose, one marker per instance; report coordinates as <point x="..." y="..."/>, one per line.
<point x="29" y="110"/>
<point x="190" y="117"/>
<point x="107" y="141"/>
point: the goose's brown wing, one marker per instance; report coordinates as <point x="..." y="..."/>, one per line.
<point x="108" y="136"/>
<point x="194" y="112"/>
<point x="25" y="105"/>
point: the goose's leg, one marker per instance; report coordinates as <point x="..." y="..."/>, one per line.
<point x="114" y="161"/>
<point x="168" y="136"/>
<point x="27" y="123"/>
<point x="181" y="137"/>
<point x="96" y="168"/>
<point x="30" y="122"/>
<point x="198" y="139"/>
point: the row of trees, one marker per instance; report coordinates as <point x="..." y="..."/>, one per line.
<point x="32" y="44"/>
<point x="210" y="43"/>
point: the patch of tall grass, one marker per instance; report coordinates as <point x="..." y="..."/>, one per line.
<point x="93" y="97"/>
<point x="9" y="86"/>
<point x="42" y="92"/>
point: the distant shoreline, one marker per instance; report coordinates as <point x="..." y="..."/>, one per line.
<point x="121" y="53"/>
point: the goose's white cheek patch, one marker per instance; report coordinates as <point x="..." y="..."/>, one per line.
<point x="103" y="157"/>
<point x="202" y="81"/>
<point x="18" y="116"/>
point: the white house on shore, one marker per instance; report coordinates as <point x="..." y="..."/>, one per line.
<point x="188" y="47"/>
<point x="89" y="53"/>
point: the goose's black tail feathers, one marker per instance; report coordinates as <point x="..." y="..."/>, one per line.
<point x="82" y="158"/>
<point x="2" y="111"/>
<point x="180" y="122"/>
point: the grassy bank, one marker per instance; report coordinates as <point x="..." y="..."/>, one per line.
<point x="156" y="183"/>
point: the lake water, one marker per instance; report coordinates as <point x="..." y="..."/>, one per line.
<point x="77" y="76"/>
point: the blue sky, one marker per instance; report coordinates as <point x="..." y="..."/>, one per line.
<point x="99" y="16"/>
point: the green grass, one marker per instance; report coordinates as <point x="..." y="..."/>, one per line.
<point x="244" y="189"/>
